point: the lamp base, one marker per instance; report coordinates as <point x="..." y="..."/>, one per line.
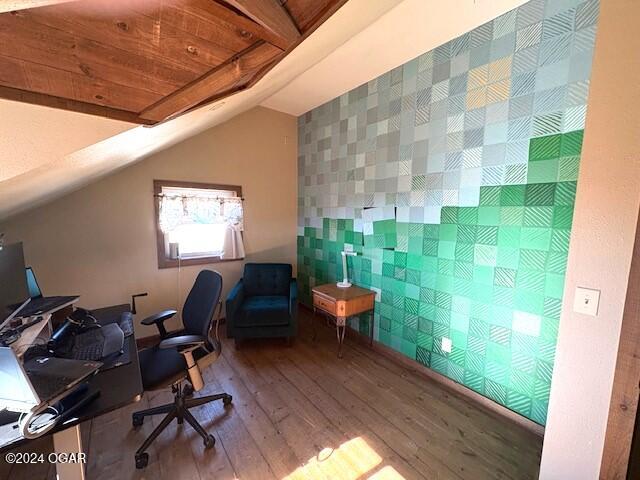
<point x="343" y="284"/>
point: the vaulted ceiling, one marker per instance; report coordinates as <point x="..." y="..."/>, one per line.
<point x="144" y="61"/>
<point x="47" y="152"/>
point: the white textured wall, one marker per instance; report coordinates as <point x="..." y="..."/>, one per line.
<point x="100" y="241"/>
<point x="604" y="226"/>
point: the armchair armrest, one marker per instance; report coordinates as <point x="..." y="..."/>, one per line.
<point x="233" y="303"/>
<point x="158" y="319"/>
<point x="293" y="297"/>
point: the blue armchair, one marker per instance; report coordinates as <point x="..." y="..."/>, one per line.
<point x="264" y="303"/>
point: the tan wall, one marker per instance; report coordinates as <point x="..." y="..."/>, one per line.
<point x="99" y="242"/>
<point x="604" y="226"/>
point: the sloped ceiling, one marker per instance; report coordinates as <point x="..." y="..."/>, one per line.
<point x="409" y="30"/>
<point x="62" y="151"/>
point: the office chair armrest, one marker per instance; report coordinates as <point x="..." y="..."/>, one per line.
<point x="183" y="342"/>
<point x="158" y="319"/>
<point x="185" y="345"/>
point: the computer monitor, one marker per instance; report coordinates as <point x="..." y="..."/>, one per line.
<point x="13" y="281"/>
<point x="32" y="284"/>
<point x="16" y="392"/>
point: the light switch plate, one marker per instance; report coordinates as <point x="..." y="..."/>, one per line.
<point x="586" y="301"/>
<point x="447" y="344"/>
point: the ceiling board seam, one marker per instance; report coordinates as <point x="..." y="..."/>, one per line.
<point x="155" y="56"/>
<point x="98" y="79"/>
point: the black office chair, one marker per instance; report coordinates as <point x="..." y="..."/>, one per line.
<point x="180" y="356"/>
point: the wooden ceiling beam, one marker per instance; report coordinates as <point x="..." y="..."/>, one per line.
<point x="14" y="5"/>
<point x="331" y="7"/>
<point x="271" y="15"/>
<point x="210" y="11"/>
<point x="36" y="98"/>
<point x="227" y="77"/>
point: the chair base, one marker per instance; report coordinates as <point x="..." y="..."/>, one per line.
<point x="178" y="410"/>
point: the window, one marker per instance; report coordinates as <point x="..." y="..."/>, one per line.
<point x="198" y="223"/>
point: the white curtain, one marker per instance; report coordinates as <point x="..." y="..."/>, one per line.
<point x="233" y="244"/>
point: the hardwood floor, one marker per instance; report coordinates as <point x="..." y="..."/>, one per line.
<point x="301" y="413"/>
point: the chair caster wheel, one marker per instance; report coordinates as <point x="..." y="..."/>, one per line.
<point x="142" y="459"/>
<point x="209" y="442"/>
<point x="137" y="421"/>
<point x="227" y="400"/>
<point x="187" y="391"/>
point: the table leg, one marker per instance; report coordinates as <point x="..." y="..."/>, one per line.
<point x="341" y="326"/>
<point x="69" y="441"/>
<point x="371" y="329"/>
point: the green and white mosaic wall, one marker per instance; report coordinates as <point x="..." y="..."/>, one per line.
<point x="454" y="178"/>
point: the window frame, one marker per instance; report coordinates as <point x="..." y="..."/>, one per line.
<point x="163" y="259"/>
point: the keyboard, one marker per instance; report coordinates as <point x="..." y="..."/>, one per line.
<point x="98" y="343"/>
<point x="44" y="304"/>
<point x="91" y="352"/>
<point x="48" y="386"/>
<point x="88" y="345"/>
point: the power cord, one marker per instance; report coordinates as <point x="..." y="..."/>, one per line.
<point x="28" y="420"/>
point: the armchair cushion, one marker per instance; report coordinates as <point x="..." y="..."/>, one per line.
<point x="263" y="311"/>
<point x="270" y="279"/>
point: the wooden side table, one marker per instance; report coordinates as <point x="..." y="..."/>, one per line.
<point x="342" y="303"/>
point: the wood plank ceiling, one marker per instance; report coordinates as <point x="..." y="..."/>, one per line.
<point x="146" y="61"/>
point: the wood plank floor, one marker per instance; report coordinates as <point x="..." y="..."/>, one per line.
<point x="301" y="413"/>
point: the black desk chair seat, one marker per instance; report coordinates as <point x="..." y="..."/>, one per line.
<point x="179" y="358"/>
<point x="163" y="367"/>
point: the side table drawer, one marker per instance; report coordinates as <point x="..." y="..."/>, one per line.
<point x="324" y="303"/>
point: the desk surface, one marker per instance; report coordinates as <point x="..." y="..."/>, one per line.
<point x="118" y="387"/>
<point x="337" y="293"/>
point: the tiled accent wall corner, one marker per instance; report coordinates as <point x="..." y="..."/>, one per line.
<point x="454" y="177"/>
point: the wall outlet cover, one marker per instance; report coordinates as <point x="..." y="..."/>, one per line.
<point x="447" y="345"/>
<point x="586" y="301"/>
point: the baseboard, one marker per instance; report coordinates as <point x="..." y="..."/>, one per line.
<point x="423" y="371"/>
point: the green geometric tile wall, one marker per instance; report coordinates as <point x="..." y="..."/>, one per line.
<point x="461" y="216"/>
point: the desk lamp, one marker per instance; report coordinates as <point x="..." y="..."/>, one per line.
<point x="345" y="272"/>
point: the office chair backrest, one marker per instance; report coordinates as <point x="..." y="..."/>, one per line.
<point x="201" y="303"/>
<point x="267" y="279"/>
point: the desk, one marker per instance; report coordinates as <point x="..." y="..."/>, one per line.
<point x="50" y="320"/>
<point x="118" y="387"/>
<point x="342" y="303"/>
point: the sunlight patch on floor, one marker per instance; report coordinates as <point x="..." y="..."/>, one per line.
<point x="351" y="461"/>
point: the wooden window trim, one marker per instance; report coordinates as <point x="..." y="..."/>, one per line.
<point x="163" y="261"/>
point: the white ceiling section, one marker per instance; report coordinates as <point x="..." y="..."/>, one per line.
<point x="409" y="30"/>
<point x="31" y="135"/>
<point x="62" y="151"/>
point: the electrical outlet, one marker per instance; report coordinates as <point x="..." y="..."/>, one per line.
<point x="447" y="345"/>
<point x="586" y="301"/>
